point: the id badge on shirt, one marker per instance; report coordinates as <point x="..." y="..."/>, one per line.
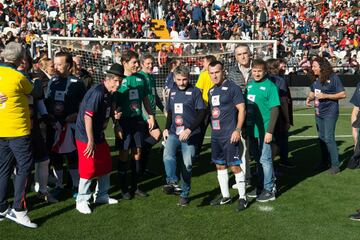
<point x="133" y="94"/>
<point x="178" y="108"/>
<point x="215" y="100"/>
<point x="251" y="98"/>
<point x="215" y="124"/>
<point x="60" y="96"/>
<point x="179" y="129"/>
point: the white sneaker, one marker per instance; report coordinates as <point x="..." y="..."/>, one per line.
<point x="3" y="214"/>
<point x="21" y="218"/>
<point x="83" y="207"/>
<point x="107" y="200"/>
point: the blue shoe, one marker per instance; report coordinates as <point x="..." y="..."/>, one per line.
<point x="74" y="192"/>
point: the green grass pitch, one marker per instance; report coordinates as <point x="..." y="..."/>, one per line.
<point x="309" y="206"/>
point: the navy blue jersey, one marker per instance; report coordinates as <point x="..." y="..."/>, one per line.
<point x="355" y="99"/>
<point x="63" y="96"/>
<point x="222" y="101"/>
<point x="183" y="105"/>
<point x="97" y="105"/>
<point x="327" y="107"/>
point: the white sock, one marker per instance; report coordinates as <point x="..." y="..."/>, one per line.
<point x="243" y="165"/>
<point x="42" y="172"/>
<point x="240" y="182"/>
<point x="74" y="173"/>
<point x="36" y="177"/>
<point x="223" y="179"/>
<point x="59" y="178"/>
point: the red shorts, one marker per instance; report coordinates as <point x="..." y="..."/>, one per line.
<point x="96" y="166"/>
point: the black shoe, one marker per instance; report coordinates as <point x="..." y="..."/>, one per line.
<point x="140" y="193"/>
<point x="172" y="188"/>
<point x="334" y="170"/>
<point x="220" y="201"/>
<point x="242" y="205"/>
<point x="266" y="196"/>
<point x="126" y="196"/>
<point x="183" y="201"/>
<point x="254" y="193"/>
<point x="355" y="217"/>
<point x="287" y="164"/>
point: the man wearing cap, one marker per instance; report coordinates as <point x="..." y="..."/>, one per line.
<point x="93" y="150"/>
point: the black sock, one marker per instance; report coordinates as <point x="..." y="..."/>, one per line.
<point x="122" y="173"/>
<point x="135" y="171"/>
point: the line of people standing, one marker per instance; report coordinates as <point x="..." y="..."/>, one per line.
<point x="248" y="110"/>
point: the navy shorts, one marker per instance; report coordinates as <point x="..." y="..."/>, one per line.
<point x="133" y="133"/>
<point x="225" y="153"/>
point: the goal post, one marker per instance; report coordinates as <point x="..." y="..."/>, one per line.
<point x="98" y="54"/>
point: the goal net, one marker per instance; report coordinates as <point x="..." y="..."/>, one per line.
<point x="98" y="54"/>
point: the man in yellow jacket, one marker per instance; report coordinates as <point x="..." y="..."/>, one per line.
<point x="15" y="142"/>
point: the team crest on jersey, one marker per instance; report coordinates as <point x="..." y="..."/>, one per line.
<point x="173" y="93"/>
<point x="211" y="91"/>
<point x="138" y="79"/>
<point x="179" y="120"/>
<point x="215" y="112"/>
<point x="263" y="88"/>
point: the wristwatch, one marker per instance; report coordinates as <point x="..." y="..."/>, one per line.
<point x="238" y="130"/>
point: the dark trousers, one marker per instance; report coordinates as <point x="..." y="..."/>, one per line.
<point x="282" y="141"/>
<point x="15" y="152"/>
<point x="203" y="127"/>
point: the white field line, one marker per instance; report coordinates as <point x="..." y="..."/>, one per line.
<point x="313" y="114"/>
<point x="265" y="208"/>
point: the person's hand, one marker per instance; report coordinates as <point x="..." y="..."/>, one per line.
<point x="117" y="115"/>
<point x="90" y="149"/>
<point x="165" y="134"/>
<point x="235" y="137"/>
<point x="3" y="98"/>
<point x="120" y="132"/>
<point x="268" y="138"/>
<point x="184" y="135"/>
<point x="71" y="118"/>
<point x="321" y="96"/>
<point x="151" y="122"/>
<point x="308" y="102"/>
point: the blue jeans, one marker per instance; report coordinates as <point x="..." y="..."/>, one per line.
<point x="326" y="131"/>
<point x="263" y="157"/>
<point x="169" y="158"/>
<point x="101" y="191"/>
